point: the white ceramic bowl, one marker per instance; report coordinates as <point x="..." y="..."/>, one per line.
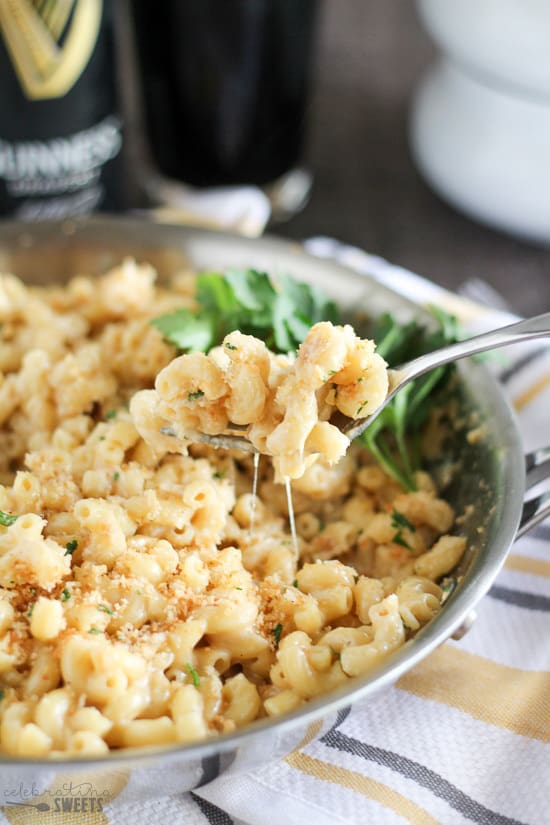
<point x="504" y="41"/>
<point x="486" y="151"/>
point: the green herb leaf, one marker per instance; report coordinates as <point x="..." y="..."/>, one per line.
<point x="295" y="583"/>
<point x="390" y="436"/>
<point x="6" y="519"/>
<point x="194" y="675"/>
<point x="65" y="594"/>
<point x="105" y="609"/>
<point x="398" y="520"/>
<point x="279" y="311"/>
<point x="277" y="630"/>
<point x="2" y="694"/>
<point x="116" y="476"/>
<point x="187" y="330"/>
<point x="94" y="631"/>
<point x="193" y="396"/>
<point x="398" y="539"/>
<point x="244" y="284"/>
<point x="70" y="547"/>
<point x="110" y="414"/>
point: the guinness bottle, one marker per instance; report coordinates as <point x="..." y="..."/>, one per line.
<point x="60" y="135"/>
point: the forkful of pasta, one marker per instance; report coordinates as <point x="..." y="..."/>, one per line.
<point x="294" y="408"/>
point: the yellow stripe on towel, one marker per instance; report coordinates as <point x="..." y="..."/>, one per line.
<point x="531" y="392"/>
<point x="518" y="700"/>
<point x="370" y="788"/>
<point x="525" y="564"/>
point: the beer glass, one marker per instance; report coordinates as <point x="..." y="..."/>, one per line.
<point x="224" y="86"/>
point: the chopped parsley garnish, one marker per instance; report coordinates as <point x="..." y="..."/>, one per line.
<point x="30" y="610"/>
<point x="295" y="583"/>
<point x="94" y="631"/>
<point x="2" y="693"/>
<point x="392" y="436"/>
<point x="229" y="345"/>
<point x="193" y="396"/>
<point x="398" y="539"/>
<point x="65" y="594"/>
<point x="116" y="476"/>
<point x="6" y="519"/>
<point x="70" y="547"/>
<point x="218" y="474"/>
<point x="110" y="414"/>
<point x="105" y="609"/>
<point x="193" y="674"/>
<point x="279" y="310"/>
<point x="401" y="522"/>
<point x="277" y="630"/>
<point x="361" y="407"/>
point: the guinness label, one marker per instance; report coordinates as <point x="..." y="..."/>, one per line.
<point x="60" y="134"/>
<point x="50" y="43"/>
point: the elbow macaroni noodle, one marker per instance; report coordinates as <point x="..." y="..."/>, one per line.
<point x="141" y="601"/>
<point x="284" y="402"/>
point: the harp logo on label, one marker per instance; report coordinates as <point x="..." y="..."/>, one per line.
<point x="49" y="46"/>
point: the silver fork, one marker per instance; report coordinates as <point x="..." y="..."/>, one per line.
<point x="530" y="328"/>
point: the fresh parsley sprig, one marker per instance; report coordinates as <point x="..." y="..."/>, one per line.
<point x="391" y="437"/>
<point x="280" y="311"/>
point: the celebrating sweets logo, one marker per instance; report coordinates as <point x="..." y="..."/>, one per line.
<point x="68" y="797"/>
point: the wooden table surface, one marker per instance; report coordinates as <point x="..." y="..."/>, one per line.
<point x="367" y="191"/>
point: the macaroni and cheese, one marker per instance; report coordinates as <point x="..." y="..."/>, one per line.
<point x="284" y="402"/>
<point x="146" y="598"/>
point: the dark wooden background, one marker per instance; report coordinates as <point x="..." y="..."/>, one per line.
<point x="367" y="191"/>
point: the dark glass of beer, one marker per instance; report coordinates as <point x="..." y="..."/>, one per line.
<point x="224" y="86"/>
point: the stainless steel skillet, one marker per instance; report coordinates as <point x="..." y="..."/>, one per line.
<point x="493" y="478"/>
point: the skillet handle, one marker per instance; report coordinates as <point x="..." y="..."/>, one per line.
<point x="537" y="508"/>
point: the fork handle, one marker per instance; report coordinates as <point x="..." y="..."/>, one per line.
<point x="529" y="328"/>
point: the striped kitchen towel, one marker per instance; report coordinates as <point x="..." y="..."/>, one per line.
<point x="463" y="737"/>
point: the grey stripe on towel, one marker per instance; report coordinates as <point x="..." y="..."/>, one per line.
<point x="421" y="774"/>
